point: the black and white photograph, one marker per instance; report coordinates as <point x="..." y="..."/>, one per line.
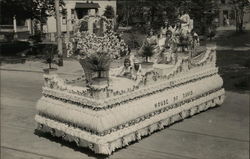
<point x="124" y="79"/>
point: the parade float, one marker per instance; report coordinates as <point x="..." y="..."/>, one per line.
<point x="105" y="112"/>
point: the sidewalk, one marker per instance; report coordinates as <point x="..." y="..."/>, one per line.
<point x="70" y="67"/>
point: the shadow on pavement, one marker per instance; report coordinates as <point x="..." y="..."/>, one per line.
<point x="90" y="153"/>
<point x="234" y="67"/>
<point x="69" y="144"/>
<point x="230" y="38"/>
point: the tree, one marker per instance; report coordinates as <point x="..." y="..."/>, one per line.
<point x="21" y="9"/>
<point x="50" y="50"/>
<point x="239" y="7"/>
<point x="109" y="12"/>
<point x="203" y="12"/>
<point x="24" y="9"/>
<point x="42" y="9"/>
<point x="156" y="12"/>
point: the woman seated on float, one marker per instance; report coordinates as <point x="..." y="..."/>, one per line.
<point x="164" y="29"/>
<point x="131" y="71"/>
<point x="137" y="73"/>
<point x="152" y="38"/>
<point x="195" y="38"/>
<point x="185" y="22"/>
<point x="126" y="70"/>
<point x="165" y="49"/>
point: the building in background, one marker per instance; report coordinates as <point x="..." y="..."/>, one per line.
<point x="226" y="15"/>
<point x="77" y="9"/>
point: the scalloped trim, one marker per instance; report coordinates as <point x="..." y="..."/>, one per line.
<point x="138" y="119"/>
<point x="182" y="65"/>
<point x="109" y="103"/>
<point x="108" y="144"/>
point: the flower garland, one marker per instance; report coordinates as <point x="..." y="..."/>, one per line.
<point x="208" y="55"/>
<point x="111" y="102"/>
<point x="54" y="82"/>
<point x="146" y="116"/>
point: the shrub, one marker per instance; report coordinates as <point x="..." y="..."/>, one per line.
<point x="12" y="48"/>
<point x="247" y="63"/>
<point x="9" y="36"/>
<point x="243" y="83"/>
<point x="49" y="51"/>
<point x="36" y="38"/>
<point x="109" y="12"/>
<point x="146" y="51"/>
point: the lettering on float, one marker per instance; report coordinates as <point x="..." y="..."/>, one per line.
<point x="164" y="102"/>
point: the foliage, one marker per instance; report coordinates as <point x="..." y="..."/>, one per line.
<point x="22" y="9"/>
<point x="203" y="12"/>
<point x="109" y="12"/>
<point x="42" y="9"/>
<point x="239" y="7"/>
<point x="97" y="62"/>
<point x="146" y="50"/>
<point x="13" y="48"/>
<point x="8" y="36"/>
<point x="96" y="52"/>
<point x="86" y="44"/>
<point x="37" y="37"/>
<point x="45" y="8"/>
<point x="50" y="50"/>
<point x="37" y="10"/>
<point x="132" y="40"/>
<point x="247" y="63"/>
<point x="156" y="12"/>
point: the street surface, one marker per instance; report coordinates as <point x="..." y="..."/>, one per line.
<point x="219" y="133"/>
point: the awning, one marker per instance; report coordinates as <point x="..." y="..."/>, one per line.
<point x="87" y="5"/>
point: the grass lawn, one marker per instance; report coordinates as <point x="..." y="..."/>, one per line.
<point x="234" y="66"/>
<point x="233" y="69"/>
<point x="232" y="39"/>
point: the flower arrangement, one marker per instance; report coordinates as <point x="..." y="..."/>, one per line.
<point x="86" y="44"/>
<point x="95" y="52"/>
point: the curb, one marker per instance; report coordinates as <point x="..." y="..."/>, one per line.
<point x="60" y="73"/>
<point x="5" y="69"/>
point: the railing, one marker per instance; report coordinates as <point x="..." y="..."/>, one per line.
<point x="10" y="28"/>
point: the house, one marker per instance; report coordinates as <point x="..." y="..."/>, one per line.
<point x="226" y="15"/>
<point x="77" y="9"/>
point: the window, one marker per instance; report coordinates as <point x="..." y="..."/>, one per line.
<point x="72" y="14"/>
<point x="64" y="20"/>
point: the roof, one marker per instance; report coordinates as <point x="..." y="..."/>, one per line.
<point x="87" y="5"/>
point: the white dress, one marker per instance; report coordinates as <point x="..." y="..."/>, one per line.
<point x="186" y="22"/>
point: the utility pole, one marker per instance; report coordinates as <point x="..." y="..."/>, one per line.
<point x="14" y="27"/>
<point x="59" y="34"/>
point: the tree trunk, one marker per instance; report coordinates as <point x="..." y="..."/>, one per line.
<point x="152" y="15"/>
<point x="237" y="20"/>
<point x="241" y="20"/>
<point x="99" y="74"/>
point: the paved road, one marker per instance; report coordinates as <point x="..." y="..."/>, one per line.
<point x="219" y="133"/>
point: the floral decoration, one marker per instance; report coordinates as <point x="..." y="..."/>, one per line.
<point x="86" y="44"/>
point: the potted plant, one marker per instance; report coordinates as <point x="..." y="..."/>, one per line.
<point x="50" y="50"/>
<point x="146" y="51"/>
<point x="96" y="52"/>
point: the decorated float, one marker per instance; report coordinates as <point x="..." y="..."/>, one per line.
<point x="107" y="110"/>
